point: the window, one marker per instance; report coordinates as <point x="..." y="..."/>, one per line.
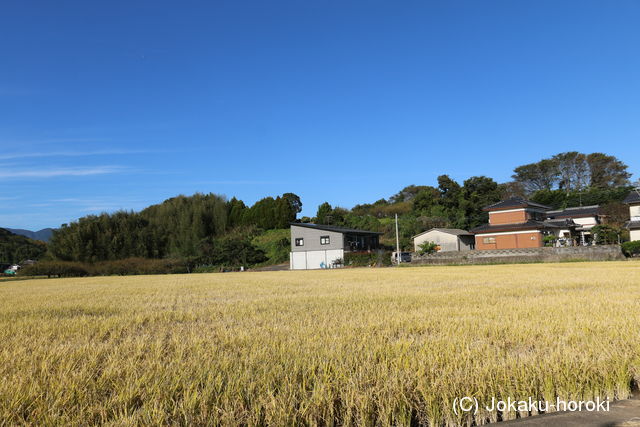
<point x="300" y="241"/>
<point x="489" y="240"/>
<point x="324" y="240"/>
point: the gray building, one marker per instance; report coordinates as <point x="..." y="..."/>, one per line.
<point x="449" y="239"/>
<point x="320" y="246"/>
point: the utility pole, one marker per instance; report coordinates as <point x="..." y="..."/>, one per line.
<point x="398" y="255"/>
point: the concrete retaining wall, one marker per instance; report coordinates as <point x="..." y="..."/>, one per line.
<point x="580" y="253"/>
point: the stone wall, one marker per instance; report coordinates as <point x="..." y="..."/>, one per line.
<point x="505" y="256"/>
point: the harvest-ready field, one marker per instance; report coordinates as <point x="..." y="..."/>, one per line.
<point x="358" y="347"/>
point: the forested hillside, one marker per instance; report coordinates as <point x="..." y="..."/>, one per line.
<point x="15" y="248"/>
<point x="204" y="227"/>
<point x="208" y="229"/>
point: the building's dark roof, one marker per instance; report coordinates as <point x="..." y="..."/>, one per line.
<point x="575" y="212"/>
<point x="633" y="197"/>
<point x="632" y="225"/>
<point x="560" y="223"/>
<point x="454" y="231"/>
<point x="333" y="228"/>
<point x="529" y="225"/>
<point x="514" y="203"/>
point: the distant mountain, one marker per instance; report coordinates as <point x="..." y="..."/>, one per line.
<point x="43" y="235"/>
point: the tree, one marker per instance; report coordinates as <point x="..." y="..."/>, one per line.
<point x="408" y="193"/>
<point x="323" y="216"/>
<point x="449" y="191"/>
<point x="606" y="234"/>
<point x="573" y="170"/>
<point x="477" y="192"/>
<point x="426" y="198"/>
<point x="236" y="209"/>
<point x="294" y="202"/>
<point x="606" y="171"/>
<point x="512" y="189"/>
<point x="542" y="175"/>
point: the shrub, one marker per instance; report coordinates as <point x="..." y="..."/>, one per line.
<point x="428" y="248"/>
<point x="56" y="268"/>
<point x="363" y="259"/>
<point x="631" y="249"/>
<point x="276" y="245"/>
<point x="121" y="267"/>
<point x="606" y="234"/>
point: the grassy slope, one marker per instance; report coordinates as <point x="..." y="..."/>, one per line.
<point x="360" y="346"/>
<point x="276" y="245"/>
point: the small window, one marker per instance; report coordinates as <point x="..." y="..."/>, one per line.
<point x="324" y="240"/>
<point x="489" y="240"/>
<point x="300" y="241"/>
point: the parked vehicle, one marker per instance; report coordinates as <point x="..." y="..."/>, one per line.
<point x="404" y="257"/>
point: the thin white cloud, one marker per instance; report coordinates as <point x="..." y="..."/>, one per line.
<point x="25" y="155"/>
<point x="102" y="208"/>
<point x="240" y="182"/>
<point x="59" y="172"/>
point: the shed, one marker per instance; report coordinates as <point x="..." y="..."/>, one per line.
<point x="449" y="239"/>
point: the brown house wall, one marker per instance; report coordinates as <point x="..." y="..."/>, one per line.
<point x="511" y="241"/>
<point x="499" y="218"/>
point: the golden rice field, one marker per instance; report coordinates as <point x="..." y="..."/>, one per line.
<point x="346" y="347"/>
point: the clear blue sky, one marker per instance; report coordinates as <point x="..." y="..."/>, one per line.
<point x="121" y="104"/>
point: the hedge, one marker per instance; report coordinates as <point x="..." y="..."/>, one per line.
<point x="631" y="249"/>
<point x="362" y="259"/>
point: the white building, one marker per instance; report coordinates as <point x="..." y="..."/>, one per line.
<point x="581" y="219"/>
<point x="633" y="200"/>
<point x="448" y="239"/>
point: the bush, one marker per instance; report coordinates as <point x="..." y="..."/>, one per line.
<point x="428" y="248"/>
<point x="367" y="259"/>
<point x="606" y="234"/>
<point x="230" y="251"/>
<point x="276" y="245"/>
<point x="121" y="267"/>
<point x="56" y="268"/>
<point x="549" y="240"/>
<point x="631" y="249"/>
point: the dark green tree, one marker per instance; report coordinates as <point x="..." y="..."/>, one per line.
<point x="323" y="215"/>
<point x="607" y="171"/>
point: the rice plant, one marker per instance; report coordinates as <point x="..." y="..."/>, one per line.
<point x="369" y="347"/>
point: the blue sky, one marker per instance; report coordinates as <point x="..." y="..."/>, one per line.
<point x="122" y="104"/>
